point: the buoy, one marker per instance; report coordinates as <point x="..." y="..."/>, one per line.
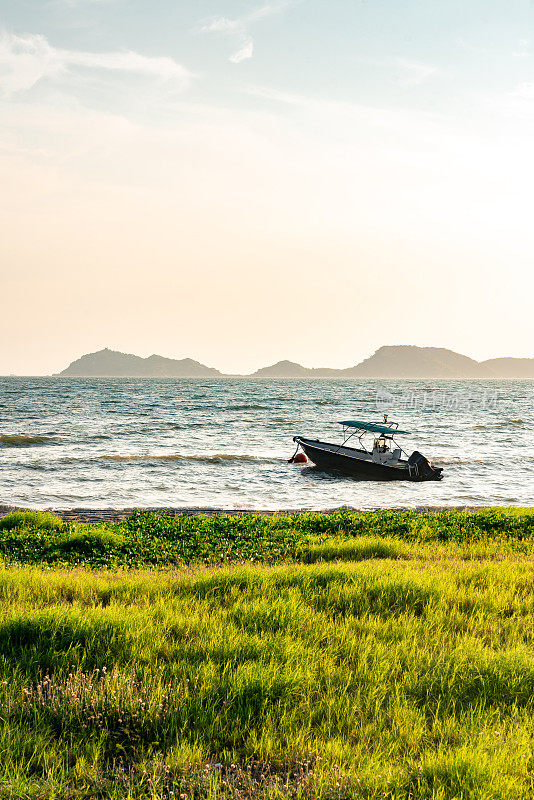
<point x="300" y="458"/>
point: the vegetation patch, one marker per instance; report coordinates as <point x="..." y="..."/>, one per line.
<point x="350" y="662"/>
<point x="31" y="520"/>
<point x="163" y="540"/>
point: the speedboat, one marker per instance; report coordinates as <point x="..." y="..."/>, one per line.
<point x="383" y="461"/>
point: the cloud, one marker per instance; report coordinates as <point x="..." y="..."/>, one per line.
<point x="239" y="28"/>
<point x="412" y="73"/>
<point x="222" y="25"/>
<point x="245" y="52"/>
<point x="403" y="71"/>
<point x="523" y="50"/>
<point x="525" y="91"/>
<point x="25" y="60"/>
<point x="407" y="134"/>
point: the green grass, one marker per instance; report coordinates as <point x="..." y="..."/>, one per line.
<point x="31" y="520"/>
<point x="385" y="656"/>
<point x="162" y="541"/>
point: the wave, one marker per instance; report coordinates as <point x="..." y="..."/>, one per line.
<point x="213" y="409"/>
<point x="245" y="407"/>
<point x="458" y="460"/>
<point x="25" y="441"/>
<point x="211" y="458"/>
<point x="503" y="424"/>
<point x="214" y="458"/>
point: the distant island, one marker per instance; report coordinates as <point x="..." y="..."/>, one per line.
<point x="391" y="361"/>
<point x="112" y="364"/>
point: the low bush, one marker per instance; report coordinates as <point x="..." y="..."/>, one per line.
<point x="163" y="540"/>
<point x="30" y="520"/>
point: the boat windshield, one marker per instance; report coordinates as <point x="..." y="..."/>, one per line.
<point x="381" y="444"/>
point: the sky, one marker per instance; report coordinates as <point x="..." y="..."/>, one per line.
<point x="242" y="182"/>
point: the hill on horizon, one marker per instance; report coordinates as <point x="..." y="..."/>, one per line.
<point x="290" y="369"/>
<point x="113" y="364"/>
<point x="410" y="361"/>
<point x="389" y="361"/>
<point x="513" y="368"/>
<point x="392" y="361"/>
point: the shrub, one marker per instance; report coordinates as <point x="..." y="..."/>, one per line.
<point x="43" y="520"/>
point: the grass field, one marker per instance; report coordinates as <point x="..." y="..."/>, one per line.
<point x="351" y="656"/>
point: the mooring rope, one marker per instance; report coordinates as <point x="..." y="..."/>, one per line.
<point x="290" y="460"/>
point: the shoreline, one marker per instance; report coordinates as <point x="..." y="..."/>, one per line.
<point x="95" y="515"/>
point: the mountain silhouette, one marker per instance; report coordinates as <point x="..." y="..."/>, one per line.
<point x="112" y="364"/>
<point x="390" y="361"/>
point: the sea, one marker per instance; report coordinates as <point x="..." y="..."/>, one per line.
<point x="225" y="443"/>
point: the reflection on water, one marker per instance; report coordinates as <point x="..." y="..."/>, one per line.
<point x="225" y="443"/>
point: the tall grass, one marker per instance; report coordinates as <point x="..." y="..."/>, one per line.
<point x="384" y="675"/>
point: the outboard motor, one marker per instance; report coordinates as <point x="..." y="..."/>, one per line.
<point x="421" y="470"/>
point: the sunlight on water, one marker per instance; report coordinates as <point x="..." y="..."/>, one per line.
<point x="225" y="443"/>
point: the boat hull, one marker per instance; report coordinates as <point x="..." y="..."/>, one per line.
<point x="357" y="466"/>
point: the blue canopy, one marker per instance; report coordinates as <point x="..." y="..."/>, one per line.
<point x="370" y="426"/>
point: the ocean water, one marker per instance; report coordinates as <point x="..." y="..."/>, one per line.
<point x="225" y="443"/>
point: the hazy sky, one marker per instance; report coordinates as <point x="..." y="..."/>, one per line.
<point x="240" y="182"/>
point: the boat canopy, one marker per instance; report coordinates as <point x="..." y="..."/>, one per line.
<point x="370" y="426"/>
